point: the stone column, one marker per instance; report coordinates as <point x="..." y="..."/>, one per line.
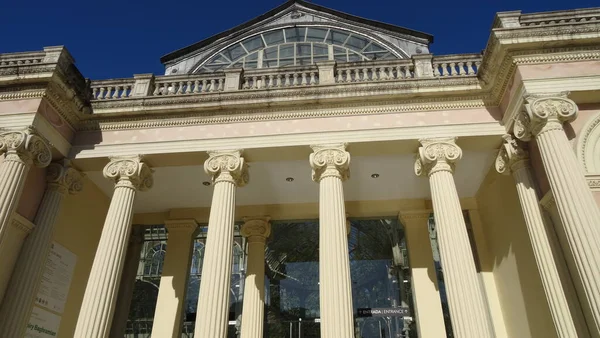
<point x="513" y="159"/>
<point x="256" y="230"/>
<point x="330" y="167"/>
<point x="168" y="317"/>
<point x="130" y="174"/>
<point x="543" y="120"/>
<point x="128" y="278"/>
<point x="470" y="318"/>
<point x="21" y="149"/>
<point x="228" y="170"/>
<point x="24" y="283"/>
<point x="426" y="294"/>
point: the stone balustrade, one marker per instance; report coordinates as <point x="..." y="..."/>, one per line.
<point x="560" y="18"/>
<point x="112" y="89"/>
<point x="323" y="73"/>
<point x="189" y="84"/>
<point x="280" y="77"/>
<point x="456" y="65"/>
<point x="368" y="71"/>
<point x="18" y="59"/>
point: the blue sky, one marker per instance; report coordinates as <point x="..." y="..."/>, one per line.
<point x="115" y="39"/>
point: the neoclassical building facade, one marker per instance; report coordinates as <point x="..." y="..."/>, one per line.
<point x="308" y="173"/>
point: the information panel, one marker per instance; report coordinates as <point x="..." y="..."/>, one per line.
<point x="42" y="324"/>
<point x="56" y="280"/>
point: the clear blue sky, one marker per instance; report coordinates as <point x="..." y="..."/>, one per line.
<point x="114" y="39"/>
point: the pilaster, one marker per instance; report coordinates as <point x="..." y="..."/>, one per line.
<point x="426" y="295"/>
<point x="168" y="318"/>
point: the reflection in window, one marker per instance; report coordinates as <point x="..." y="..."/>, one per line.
<point x="297" y="46"/>
<point x="145" y="292"/>
<point x="236" y="288"/>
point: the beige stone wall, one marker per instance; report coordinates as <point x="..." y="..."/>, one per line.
<point x="523" y="303"/>
<point x="78" y="229"/>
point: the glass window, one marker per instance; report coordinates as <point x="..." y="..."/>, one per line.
<point x="292" y="46"/>
<point x="295" y="34"/>
<point x="316" y="34"/>
<point x="253" y="44"/>
<point x="195" y="277"/>
<point x="147" y="283"/>
<point x="274" y="37"/>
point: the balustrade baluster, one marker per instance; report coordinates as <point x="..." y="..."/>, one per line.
<point x="303" y="78"/>
<point x="101" y="95"/>
<point x="313" y="78"/>
<point x="461" y="68"/>
<point x="211" y="87"/>
<point x="477" y="64"/>
<point x="436" y="69"/>
<point x="196" y="86"/>
<point x="94" y="93"/>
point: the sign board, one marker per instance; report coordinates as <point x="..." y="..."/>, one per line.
<point x="42" y="324"/>
<point x="56" y="279"/>
<point x="384" y="312"/>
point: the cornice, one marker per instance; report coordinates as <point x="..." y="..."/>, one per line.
<point x="278" y="113"/>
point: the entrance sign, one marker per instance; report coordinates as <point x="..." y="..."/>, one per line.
<point x="56" y="279"/>
<point x="384" y="312"/>
<point x="42" y="324"/>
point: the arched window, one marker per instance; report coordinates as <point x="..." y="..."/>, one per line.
<point x="296" y="46"/>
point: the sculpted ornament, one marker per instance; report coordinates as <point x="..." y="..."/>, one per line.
<point x="330" y="160"/>
<point x="437" y="154"/>
<point x="511" y="156"/>
<point x="129" y="171"/>
<point x="542" y="114"/>
<point x="25" y="146"/>
<point x="64" y="178"/>
<point x="227" y="166"/>
<point x="256" y="229"/>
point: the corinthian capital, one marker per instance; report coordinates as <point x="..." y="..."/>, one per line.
<point x="512" y="156"/>
<point x="64" y="178"/>
<point x="544" y="113"/>
<point x="437" y="154"/>
<point x="129" y="171"/>
<point x="25" y="146"/>
<point x="228" y="166"/>
<point x="330" y="160"/>
<point x="256" y="229"/>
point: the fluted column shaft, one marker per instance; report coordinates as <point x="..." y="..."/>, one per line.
<point x="256" y="230"/>
<point x="428" y="308"/>
<point x="513" y="158"/>
<point x="578" y="210"/>
<point x="22" y="290"/>
<point x="228" y="170"/>
<point x="98" y="306"/>
<point x="128" y="278"/>
<point x="468" y="312"/>
<point x="330" y="165"/>
<point x="168" y="317"/>
<point x="22" y="149"/>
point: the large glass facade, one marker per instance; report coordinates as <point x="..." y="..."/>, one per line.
<point x="378" y="268"/>
<point x="147" y="282"/>
<point x="297" y="46"/>
<point x="195" y="277"/>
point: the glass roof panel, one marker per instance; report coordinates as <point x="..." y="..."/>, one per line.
<point x="274" y="37"/>
<point x="295" y="34"/>
<point x="316" y="34"/>
<point x="297" y="46"/>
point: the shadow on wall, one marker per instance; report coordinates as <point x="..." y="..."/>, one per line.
<point x="518" y="282"/>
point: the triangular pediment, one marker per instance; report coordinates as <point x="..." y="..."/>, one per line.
<point x="365" y="39"/>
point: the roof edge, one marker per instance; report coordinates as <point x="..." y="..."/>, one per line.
<point x="188" y="49"/>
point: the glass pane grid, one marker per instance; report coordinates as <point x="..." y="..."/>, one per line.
<point x="302" y="45"/>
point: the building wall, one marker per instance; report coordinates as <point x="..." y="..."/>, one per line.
<point x="522" y="299"/>
<point x="78" y="229"/>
